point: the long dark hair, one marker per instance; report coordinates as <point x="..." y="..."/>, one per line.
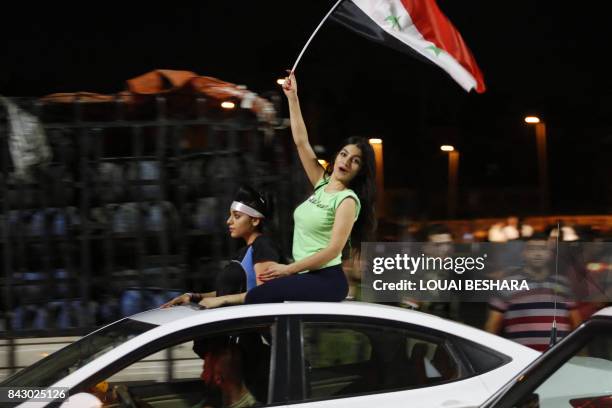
<point x="365" y="187"/>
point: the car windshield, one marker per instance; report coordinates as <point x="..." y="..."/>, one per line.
<point x="58" y="365"/>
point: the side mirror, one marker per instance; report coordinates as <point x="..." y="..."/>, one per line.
<point x="82" y="400"/>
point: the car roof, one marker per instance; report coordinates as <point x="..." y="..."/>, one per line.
<point x="181" y="317"/>
<point x="604" y="312"/>
<point x="173" y="314"/>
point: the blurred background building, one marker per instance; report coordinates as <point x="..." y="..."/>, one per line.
<point x="113" y="204"/>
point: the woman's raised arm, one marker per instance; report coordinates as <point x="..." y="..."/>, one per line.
<point x="313" y="169"/>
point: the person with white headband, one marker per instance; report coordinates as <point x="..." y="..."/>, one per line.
<point x="248" y="213"/>
<point x="339" y="214"/>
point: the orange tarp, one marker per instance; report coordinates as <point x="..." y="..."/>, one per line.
<point x="171" y="82"/>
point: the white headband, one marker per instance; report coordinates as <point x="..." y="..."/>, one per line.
<point x="238" y="206"/>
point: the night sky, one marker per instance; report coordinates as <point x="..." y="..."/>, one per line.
<point x="541" y="57"/>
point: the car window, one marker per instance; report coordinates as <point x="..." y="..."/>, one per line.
<point x="345" y="359"/>
<point x="65" y="361"/>
<point x="197" y="372"/>
<point x="332" y="346"/>
<point x="176" y="362"/>
<point x="481" y="358"/>
<point x="585" y="380"/>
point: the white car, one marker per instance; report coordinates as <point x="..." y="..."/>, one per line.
<point x="300" y="354"/>
<point x="575" y="373"/>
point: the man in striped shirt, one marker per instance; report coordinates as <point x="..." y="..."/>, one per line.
<point x="527" y="316"/>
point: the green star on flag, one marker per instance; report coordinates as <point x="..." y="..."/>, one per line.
<point x="394" y="20"/>
<point x="435" y="49"/>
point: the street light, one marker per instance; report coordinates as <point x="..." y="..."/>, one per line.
<point x="228" y="105"/>
<point x="540" y="130"/>
<point x="377" y="146"/>
<point x="453" y="179"/>
<point x="532" y="119"/>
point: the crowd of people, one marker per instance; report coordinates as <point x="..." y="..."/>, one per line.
<point x="568" y="267"/>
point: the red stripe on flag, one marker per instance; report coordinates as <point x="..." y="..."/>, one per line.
<point x="436" y="28"/>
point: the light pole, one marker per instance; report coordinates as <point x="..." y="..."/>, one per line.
<point x="377" y="146"/>
<point x="540" y="131"/>
<point x="453" y="179"/>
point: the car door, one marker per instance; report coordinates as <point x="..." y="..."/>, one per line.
<point x="340" y="361"/>
<point x="577" y="372"/>
<point x="169" y="372"/>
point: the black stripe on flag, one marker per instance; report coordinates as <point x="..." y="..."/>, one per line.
<point x="352" y="17"/>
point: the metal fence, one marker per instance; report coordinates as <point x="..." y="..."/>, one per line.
<point x="129" y="212"/>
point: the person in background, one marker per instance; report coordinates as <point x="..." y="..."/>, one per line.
<point x="512" y="229"/>
<point x="438" y="243"/>
<point x="527" y="316"/>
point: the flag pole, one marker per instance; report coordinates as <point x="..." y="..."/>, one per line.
<point x="297" y="61"/>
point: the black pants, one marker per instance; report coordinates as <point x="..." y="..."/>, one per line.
<point x="322" y="285"/>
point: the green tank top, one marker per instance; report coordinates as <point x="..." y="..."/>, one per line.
<point x="314" y="220"/>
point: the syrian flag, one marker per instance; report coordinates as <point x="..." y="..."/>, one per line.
<point x="417" y="27"/>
